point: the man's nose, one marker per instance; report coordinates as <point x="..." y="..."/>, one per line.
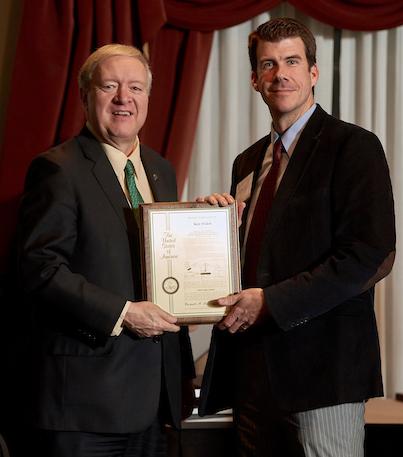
<point x="280" y="73"/>
<point x="122" y="94"/>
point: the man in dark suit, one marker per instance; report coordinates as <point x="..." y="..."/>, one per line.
<point x="108" y="366"/>
<point x="298" y="354"/>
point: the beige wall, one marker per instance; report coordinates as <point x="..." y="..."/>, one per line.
<point x="10" y="13"/>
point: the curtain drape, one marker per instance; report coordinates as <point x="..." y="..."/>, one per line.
<point x="179" y="60"/>
<point x="44" y="108"/>
<point x="354" y="14"/>
<point x="209" y="15"/>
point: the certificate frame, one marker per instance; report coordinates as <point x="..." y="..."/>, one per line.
<point x="190" y="258"/>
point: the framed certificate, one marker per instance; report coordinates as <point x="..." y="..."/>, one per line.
<point x="190" y="258"/>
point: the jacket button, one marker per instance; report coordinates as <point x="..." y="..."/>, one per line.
<point x="156" y="338"/>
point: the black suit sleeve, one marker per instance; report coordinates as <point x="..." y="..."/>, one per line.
<point x="48" y="220"/>
<point x="361" y="223"/>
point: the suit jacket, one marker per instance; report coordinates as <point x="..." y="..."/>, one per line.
<point x="78" y="264"/>
<point x="329" y="237"/>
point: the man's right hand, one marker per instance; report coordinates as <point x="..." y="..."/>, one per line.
<point x="146" y="319"/>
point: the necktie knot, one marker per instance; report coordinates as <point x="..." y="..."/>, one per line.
<point x="129" y="168"/>
<point x="278" y="148"/>
<point x="135" y="196"/>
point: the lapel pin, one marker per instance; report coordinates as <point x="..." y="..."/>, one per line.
<point x="155" y="177"/>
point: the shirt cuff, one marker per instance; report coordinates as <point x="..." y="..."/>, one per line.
<point x="117" y="329"/>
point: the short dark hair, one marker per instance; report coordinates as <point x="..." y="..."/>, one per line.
<point x="279" y="29"/>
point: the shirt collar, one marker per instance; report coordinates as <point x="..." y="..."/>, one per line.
<point x="289" y="136"/>
<point x="118" y="161"/>
<point x="117" y="158"/>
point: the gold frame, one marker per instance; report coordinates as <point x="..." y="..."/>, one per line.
<point x="174" y="277"/>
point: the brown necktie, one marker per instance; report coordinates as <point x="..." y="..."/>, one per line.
<point x="259" y="218"/>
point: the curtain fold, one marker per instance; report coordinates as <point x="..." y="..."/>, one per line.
<point x="35" y="99"/>
<point x="179" y="62"/>
<point x="363" y="15"/>
<point x="152" y="17"/>
<point x="70" y="116"/>
<point x="210" y="15"/>
<point x="44" y="107"/>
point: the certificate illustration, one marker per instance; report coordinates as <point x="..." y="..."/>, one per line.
<point x="191" y="258"/>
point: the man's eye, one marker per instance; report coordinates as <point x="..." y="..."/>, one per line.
<point x="267" y="65"/>
<point x="108" y="87"/>
<point x="137" y="88"/>
<point x="292" y="61"/>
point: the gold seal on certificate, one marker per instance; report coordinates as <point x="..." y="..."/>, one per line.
<point x="190" y="258"/>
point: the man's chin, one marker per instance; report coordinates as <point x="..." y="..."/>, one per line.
<point x="280" y="108"/>
<point x="120" y="135"/>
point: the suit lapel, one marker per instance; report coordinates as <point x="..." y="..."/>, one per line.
<point x="152" y="173"/>
<point x="298" y="165"/>
<point x="252" y="165"/>
<point x="104" y="174"/>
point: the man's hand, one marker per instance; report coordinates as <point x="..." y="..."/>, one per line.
<point x="223" y="200"/>
<point x="147" y="319"/>
<point x="247" y="308"/>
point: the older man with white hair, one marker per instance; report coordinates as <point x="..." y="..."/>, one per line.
<point x="108" y="365"/>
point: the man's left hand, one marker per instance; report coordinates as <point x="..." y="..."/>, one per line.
<point x="248" y="307"/>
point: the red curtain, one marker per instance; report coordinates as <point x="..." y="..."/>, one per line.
<point x="179" y="60"/>
<point x="56" y="37"/>
<point x="44" y="108"/>
<point x="360" y="15"/>
<point x="179" y="53"/>
<point x="207" y="15"/>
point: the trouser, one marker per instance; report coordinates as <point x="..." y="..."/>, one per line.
<point x="264" y="430"/>
<point x="148" y="443"/>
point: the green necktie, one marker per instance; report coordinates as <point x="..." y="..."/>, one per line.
<point x="135" y="196"/>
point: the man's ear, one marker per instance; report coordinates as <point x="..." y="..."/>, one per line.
<point x="84" y="98"/>
<point x="253" y="79"/>
<point x="314" y="72"/>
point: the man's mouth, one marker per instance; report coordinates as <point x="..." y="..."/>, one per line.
<point x="281" y="89"/>
<point x="122" y="113"/>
